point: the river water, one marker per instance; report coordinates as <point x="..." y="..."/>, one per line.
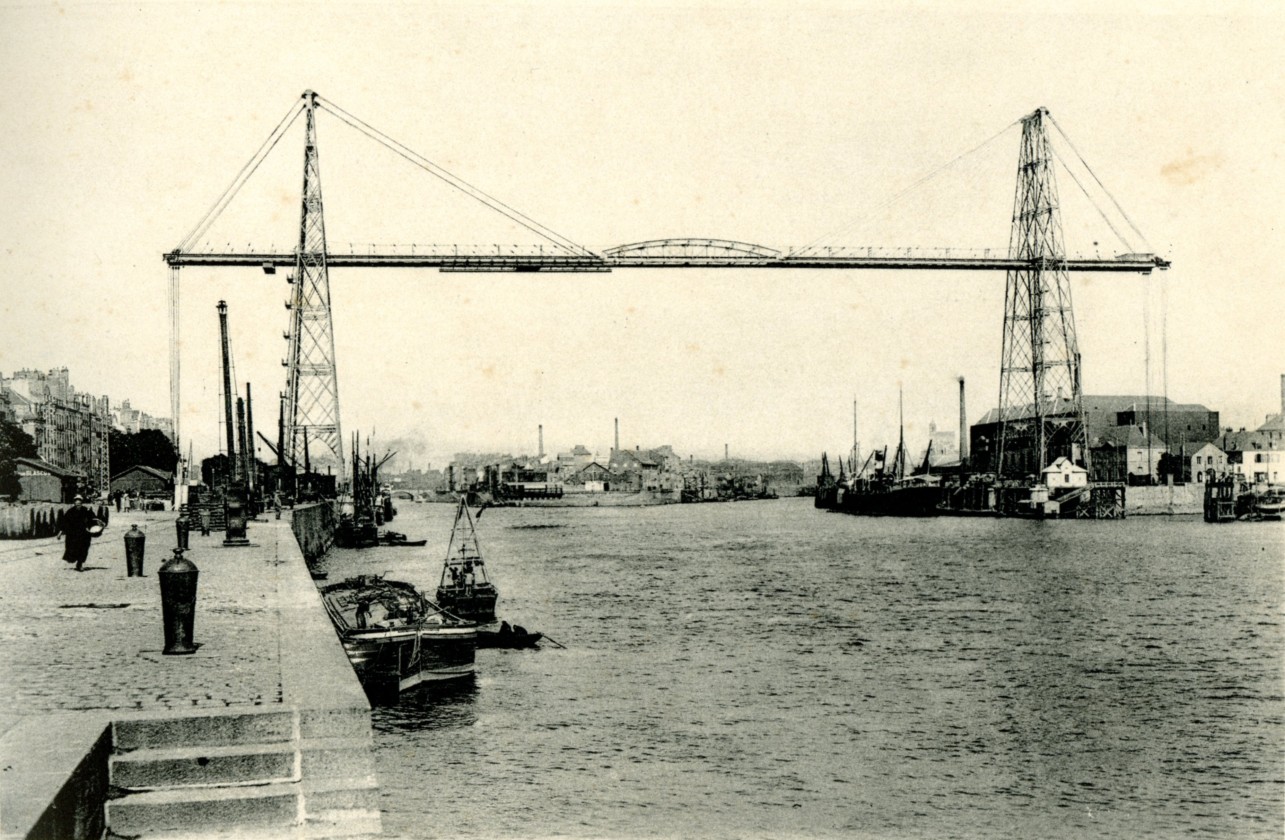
<point x="765" y="669"/>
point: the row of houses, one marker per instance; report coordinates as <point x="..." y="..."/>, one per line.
<point x="1141" y="439"/>
<point x="579" y="471"/>
<point x="658" y="469"/>
<point x="71" y="429"/>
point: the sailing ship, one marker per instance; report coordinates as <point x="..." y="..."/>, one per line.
<point x="395" y="638"/>
<point x="464" y="588"/>
<point x="883" y="488"/>
<point x="361" y="511"/>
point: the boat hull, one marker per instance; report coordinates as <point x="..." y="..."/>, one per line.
<point x="471" y="603"/>
<point x="390" y="663"/>
<point x="351" y="534"/>
<point x="395" y="638"/>
<point x="899" y="501"/>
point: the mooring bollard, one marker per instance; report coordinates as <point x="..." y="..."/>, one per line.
<point x="183" y="528"/>
<point x="135" y="540"/>
<point x="178" y="603"/>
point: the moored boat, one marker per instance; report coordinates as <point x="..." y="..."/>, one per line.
<point x="395" y="638"/>
<point x="507" y="637"/>
<point x="1270" y="504"/>
<point x="396" y="538"/>
<point x="464" y="589"/>
<point x="356" y="526"/>
<point x="827" y="489"/>
<point x="886" y="489"/>
<point x="361" y="511"/>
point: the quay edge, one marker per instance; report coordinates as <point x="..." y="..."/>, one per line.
<point x="144" y="745"/>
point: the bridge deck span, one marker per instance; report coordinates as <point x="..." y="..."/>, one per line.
<point x="1143" y="264"/>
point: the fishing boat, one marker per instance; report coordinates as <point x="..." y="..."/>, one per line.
<point x="464" y="588"/>
<point x="395" y="638"/>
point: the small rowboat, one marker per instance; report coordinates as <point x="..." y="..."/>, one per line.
<point x="507" y="637"/>
<point x="395" y="538"/>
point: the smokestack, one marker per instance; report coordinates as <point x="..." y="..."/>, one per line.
<point x="616" y="448"/>
<point x="963" y="426"/>
<point x="725" y="452"/>
<point x="541" y="453"/>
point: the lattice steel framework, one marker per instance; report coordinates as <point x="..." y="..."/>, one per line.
<point x="312" y="386"/>
<point x="1041" y="411"/>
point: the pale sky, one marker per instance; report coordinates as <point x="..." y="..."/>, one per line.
<point x="769" y="123"/>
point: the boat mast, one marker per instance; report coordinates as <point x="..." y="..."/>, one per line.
<point x="856" y="449"/>
<point x="899" y="464"/>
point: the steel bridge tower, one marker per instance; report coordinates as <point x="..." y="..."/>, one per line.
<point x="312" y="387"/>
<point x="1041" y="409"/>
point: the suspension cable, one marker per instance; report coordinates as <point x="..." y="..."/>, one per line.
<point x="451" y="179"/>
<point x="1128" y="245"/>
<point x="1099" y="182"/>
<point x="933" y="174"/>
<point x="241" y="177"/>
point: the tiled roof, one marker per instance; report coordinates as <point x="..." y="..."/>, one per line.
<point x="152" y="471"/>
<point x="45" y="466"/>
<point x="1108" y="404"/>
<point x="1131" y="436"/>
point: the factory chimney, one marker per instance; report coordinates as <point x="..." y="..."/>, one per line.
<point x="541" y="452"/>
<point x="963" y="427"/>
<point x="616" y="448"/>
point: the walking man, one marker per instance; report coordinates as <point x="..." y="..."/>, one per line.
<point x="75" y="525"/>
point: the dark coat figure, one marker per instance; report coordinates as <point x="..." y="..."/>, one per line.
<point x="75" y="524"/>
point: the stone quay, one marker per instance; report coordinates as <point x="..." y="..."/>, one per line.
<point x="263" y="731"/>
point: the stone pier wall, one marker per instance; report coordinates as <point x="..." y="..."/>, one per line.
<point x="38" y="520"/>
<point x="263" y="731"/>
<point x="1180" y="499"/>
<point x="314" y="528"/>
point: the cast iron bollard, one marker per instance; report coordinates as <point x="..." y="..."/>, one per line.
<point x="178" y="603"/>
<point x="183" y="528"/>
<point x="205" y="522"/>
<point x="135" y="540"/>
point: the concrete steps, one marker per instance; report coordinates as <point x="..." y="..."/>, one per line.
<point x="159" y="769"/>
<point x="282" y="773"/>
<point x="212" y="809"/>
